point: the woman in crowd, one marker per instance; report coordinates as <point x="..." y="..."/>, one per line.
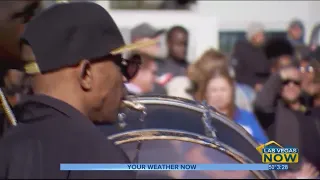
<point x="180" y="85"/>
<point x="218" y="89"/>
<point x="210" y="59"/>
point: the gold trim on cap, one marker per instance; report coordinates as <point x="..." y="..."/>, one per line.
<point x="134" y="46"/>
<point x="32" y="68"/>
<point x="62" y="1"/>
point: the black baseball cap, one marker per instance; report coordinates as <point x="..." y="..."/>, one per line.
<point x="64" y="34"/>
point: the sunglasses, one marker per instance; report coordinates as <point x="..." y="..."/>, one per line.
<point x="291" y="81"/>
<point x="128" y="67"/>
<point x="308" y="69"/>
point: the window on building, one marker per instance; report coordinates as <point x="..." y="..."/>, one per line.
<point x="227" y="39"/>
<point x="276" y="34"/>
<point x="149" y="5"/>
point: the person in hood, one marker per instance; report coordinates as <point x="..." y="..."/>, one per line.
<point x="295" y="36"/>
<point x="250" y="61"/>
<point x="295" y="33"/>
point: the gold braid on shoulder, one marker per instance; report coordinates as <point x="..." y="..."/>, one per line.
<point x="7" y="110"/>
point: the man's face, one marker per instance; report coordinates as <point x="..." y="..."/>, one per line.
<point x="291" y="90"/>
<point x="146" y="77"/>
<point x="295" y="32"/>
<point x="149" y="75"/>
<point x="178" y="45"/>
<point x="259" y="38"/>
<point x="106" y="91"/>
<point x="282" y="62"/>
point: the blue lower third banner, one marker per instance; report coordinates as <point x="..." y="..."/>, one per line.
<point x="162" y="167"/>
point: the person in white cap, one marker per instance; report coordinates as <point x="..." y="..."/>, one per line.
<point x="249" y="58"/>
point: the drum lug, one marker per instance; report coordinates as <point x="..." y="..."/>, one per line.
<point x="121" y="120"/>
<point x="131" y="104"/>
<point x="207" y="119"/>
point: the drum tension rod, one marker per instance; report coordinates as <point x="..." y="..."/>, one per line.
<point x="206" y="119"/>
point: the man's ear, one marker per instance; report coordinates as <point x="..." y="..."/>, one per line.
<point x="85" y="75"/>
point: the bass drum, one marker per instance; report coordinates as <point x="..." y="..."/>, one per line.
<point x="169" y="146"/>
<point x="181" y="114"/>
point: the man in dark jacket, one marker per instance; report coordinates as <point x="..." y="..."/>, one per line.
<point x="285" y="118"/>
<point x="77" y="79"/>
<point x="250" y="61"/>
<point x="176" y="62"/>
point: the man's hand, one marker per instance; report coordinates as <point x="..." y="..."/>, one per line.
<point x="290" y="74"/>
<point x="307" y="171"/>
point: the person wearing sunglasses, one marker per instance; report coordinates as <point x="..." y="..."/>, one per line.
<point x="152" y="55"/>
<point x="73" y="55"/>
<point x="287" y="121"/>
<point x="143" y="83"/>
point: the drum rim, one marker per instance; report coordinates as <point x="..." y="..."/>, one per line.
<point x="185" y="136"/>
<point x="197" y="106"/>
<point x="193" y="105"/>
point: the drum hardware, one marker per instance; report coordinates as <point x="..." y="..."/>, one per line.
<point x="134" y="105"/>
<point x="138" y="107"/>
<point x="206" y="119"/>
<point x="121" y="122"/>
<point x="131" y="105"/>
<point x="144" y="114"/>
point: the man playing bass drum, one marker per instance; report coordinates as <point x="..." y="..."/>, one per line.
<point x="77" y="78"/>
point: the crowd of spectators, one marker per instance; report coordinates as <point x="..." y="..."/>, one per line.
<point x="270" y="87"/>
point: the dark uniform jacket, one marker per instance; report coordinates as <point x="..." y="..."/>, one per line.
<point x="3" y="124"/>
<point x="51" y="132"/>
